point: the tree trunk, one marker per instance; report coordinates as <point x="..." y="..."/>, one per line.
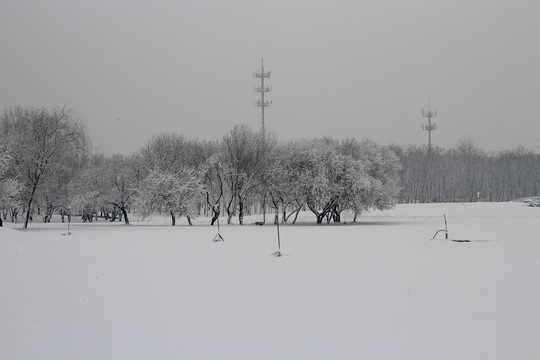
<point x="295" y="211"/>
<point x="336" y="215"/>
<point x="241" y="212"/>
<point x="125" y="215"/>
<point x="230" y="212"/>
<point x="13" y="214"/>
<point x="30" y="205"/>
<point x="49" y="213"/>
<point x="215" y="214"/>
<point x="264" y="208"/>
<point x="319" y="216"/>
<point x="216" y="208"/>
<point x="296" y="216"/>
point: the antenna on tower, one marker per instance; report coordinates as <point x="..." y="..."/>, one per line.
<point x="262" y="89"/>
<point x="429" y="127"/>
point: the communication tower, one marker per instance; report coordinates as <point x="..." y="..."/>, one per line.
<point x="429" y="127"/>
<point x="262" y="103"/>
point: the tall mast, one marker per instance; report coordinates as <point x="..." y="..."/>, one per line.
<point x="262" y="89"/>
<point x="429" y="127"/>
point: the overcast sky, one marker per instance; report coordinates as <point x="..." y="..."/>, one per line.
<point x="131" y="69"/>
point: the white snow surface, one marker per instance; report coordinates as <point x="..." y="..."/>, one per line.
<point x="379" y="289"/>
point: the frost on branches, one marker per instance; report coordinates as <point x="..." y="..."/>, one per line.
<point x="171" y="193"/>
<point x="10" y="189"/>
<point x="330" y="176"/>
<point x="43" y="142"/>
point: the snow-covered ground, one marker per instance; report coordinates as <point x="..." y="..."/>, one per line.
<point x="379" y="289"/>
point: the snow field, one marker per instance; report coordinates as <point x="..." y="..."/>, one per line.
<point x="375" y="290"/>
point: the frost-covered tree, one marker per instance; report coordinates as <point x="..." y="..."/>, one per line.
<point x="174" y="154"/>
<point x="55" y="194"/>
<point x="213" y="182"/>
<point x="282" y="180"/>
<point x="89" y="186"/>
<point x="43" y="141"/>
<point x="377" y="182"/>
<point x="86" y="204"/>
<point x="331" y="177"/>
<point x="312" y="162"/>
<point x="121" y="182"/>
<point x="245" y="156"/>
<point x="172" y="193"/>
<point x="171" y="152"/>
<point x="113" y="181"/>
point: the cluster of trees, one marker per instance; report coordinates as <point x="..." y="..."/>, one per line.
<point x="46" y="167"/>
<point x="465" y="173"/>
<point x="330" y="176"/>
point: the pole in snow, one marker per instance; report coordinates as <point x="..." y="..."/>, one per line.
<point x="218" y="237"/>
<point x="278" y="252"/>
<point x="69" y="222"/>
<point x="445" y="230"/>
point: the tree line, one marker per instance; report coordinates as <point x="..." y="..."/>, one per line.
<point x="466" y="173"/>
<point x="47" y="167"/>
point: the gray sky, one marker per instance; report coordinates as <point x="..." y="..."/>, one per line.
<point x="131" y="69"/>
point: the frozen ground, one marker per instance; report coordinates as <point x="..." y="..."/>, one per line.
<point x="377" y="290"/>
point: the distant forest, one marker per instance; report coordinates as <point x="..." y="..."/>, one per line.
<point x="47" y="167"/>
<point x="466" y="173"/>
